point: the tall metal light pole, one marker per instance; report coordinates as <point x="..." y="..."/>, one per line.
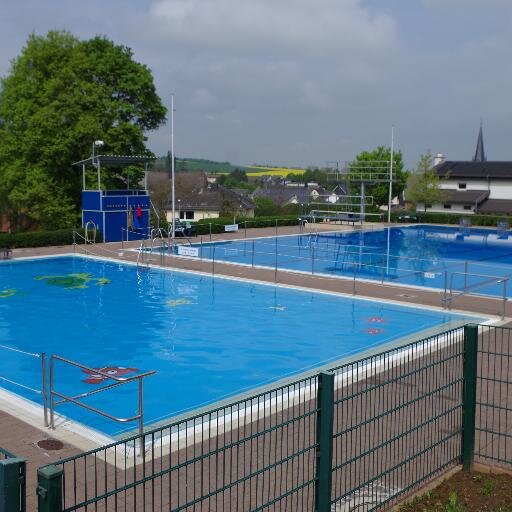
<point x="391" y="173"/>
<point x="173" y="188"/>
<point x="96" y="143"/>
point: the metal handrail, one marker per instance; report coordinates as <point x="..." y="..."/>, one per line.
<point x="86" y="232"/>
<point x="43" y="391"/>
<point x="118" y="381"/>
<point x="157" y="215"/>
<point x="142" y="251"/>
<point x="450" y="296"/>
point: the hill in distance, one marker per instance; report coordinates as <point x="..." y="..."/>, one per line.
<point x="212" y="167"/>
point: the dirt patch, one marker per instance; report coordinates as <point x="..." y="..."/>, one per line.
<point x="466" y="492"/>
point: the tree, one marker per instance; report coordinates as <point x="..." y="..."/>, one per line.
<point x="236" y="179"/>
<point x="160" y="186"/>
<point x="423" y="186"/>
<point x="60" y="95"/>
<point x="310" y="176"/>
<point x="264" y="206"/>
<point x="374" y="164"/>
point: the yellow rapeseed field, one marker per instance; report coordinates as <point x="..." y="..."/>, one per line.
<point x="273" y="171"/>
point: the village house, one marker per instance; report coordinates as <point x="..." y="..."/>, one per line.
<point x="478" y="186"/>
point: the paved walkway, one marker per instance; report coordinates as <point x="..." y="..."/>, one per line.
<point x="21" y="439"/>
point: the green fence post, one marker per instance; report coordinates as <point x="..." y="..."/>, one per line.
<point x="49" y="489"/>
<point x="469" y="395"/>
<point x="324" y="429"/>
<point x="12" y="485"/>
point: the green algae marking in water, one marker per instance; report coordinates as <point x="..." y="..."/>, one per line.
<point x="5" y="294"/>
<point x="178" y="302"/>
<point x="73" y="281"/>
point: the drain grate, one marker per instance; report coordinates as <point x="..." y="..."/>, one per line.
<point x="50" y="444"/>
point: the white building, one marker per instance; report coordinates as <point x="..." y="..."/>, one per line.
<point x="476" y="186"/>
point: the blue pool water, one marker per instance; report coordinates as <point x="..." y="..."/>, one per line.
<point x="412" y="255"/>
<point x="207" y="338"/>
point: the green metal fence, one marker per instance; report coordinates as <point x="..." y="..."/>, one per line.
<point x="12" y="482"/>
<point x="359" y="436"/>
<point x="493" y="422"/>
<point x="397" y="422"/>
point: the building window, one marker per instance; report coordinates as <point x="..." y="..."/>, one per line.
<point x="189" y="215"/>
<point x="467" y="207"/>
<point x="428" y="206"/>
<point x="462" y="185"/>
<point x="447" y="206"/>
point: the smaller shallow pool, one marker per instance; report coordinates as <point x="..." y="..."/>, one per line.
<point x="426" y="256"/>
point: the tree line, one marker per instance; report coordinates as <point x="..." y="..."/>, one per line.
<point x="62" y="93"/>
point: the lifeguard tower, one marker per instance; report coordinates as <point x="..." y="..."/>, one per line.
<point x="117" y="214"/>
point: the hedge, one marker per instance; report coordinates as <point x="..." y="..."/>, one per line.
<point x="202" y="227"/>
<point x="453" y="218"/>
<point x="42" y="238"/>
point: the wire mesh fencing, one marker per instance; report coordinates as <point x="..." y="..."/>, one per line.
<point x="493" y="421"/>
<point x="397" y="421"/>
<point x="254" y="454"/>
<point x="360" y="436"/>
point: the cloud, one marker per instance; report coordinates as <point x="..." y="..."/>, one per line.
<point x="254" y="78"/>
<point x="288" y="27"/>
<point x="447" y="4"/>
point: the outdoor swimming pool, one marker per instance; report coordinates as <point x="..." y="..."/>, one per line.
<point x="413" y="255"/>
<point x="207" y="338"/>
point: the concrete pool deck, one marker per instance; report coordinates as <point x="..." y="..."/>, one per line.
<point x="20" y="437"/>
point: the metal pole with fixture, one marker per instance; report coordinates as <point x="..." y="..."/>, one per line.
<point x="97" y="143"/>
<point x="173" y="189"/>
<point x="391" y="173"/>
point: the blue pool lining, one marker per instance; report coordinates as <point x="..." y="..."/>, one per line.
<point x="272" y="403"/>
<point x="86" y="435"/>
<point x="93" y="434"/>
<point x="268" y="283"/>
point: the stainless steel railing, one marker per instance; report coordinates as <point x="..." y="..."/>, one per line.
<point x="450" y="294"/>
<point x="118" y="381"/>
<point x="43" y="391"/>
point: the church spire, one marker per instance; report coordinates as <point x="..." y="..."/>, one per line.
<point x="480" y="153"/>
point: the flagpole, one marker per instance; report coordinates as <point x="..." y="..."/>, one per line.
<point x="390" y="198"/>
<point x="173" y="199"/>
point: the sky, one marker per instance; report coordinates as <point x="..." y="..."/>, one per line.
<point x="296" y="82"/>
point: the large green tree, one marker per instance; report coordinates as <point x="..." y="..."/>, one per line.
<point x="374" y="167"/>
<point x="60" y="95"/>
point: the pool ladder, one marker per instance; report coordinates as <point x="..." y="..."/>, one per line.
<point x="451" y="293"/>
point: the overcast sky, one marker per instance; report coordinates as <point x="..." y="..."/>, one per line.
<point x="299" y="82"/>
